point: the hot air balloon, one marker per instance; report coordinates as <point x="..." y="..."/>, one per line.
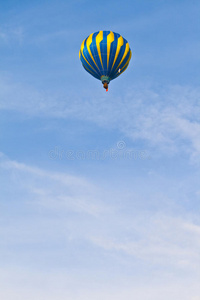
<point x="105" y="55"/>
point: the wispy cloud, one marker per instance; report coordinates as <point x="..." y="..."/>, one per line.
<point x="153" y="236"/>
<point x="167" y="119"/>
<point x="54" y="190"/>
<point x="53" y="284"/>
<point x="58" y="211"/>
<point x="163" y="240"/>
<point x="11" y="35"/>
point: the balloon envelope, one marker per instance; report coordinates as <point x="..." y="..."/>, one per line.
<point x="105" y="55"/>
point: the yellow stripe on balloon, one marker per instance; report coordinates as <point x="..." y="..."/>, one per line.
<point x="126" y="64"/>
<point x="120" y="43"/>
<point x="125" y="53"/>
<point x="99" y="38"/>
<point x="87" y="62"/>
<point x="89" y="70"/>
<point x="82" y="46"/>
<point x="88" y="43"/>
<point x="81" y="52"/>
<point x="110" y="39"/>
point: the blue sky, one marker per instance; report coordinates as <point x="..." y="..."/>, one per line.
<point x="100" y="191"/>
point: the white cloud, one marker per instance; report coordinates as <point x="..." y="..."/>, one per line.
<point x="150" y="248"/>
<point x="151" y="236"/>
<point x="158" y="239"/>
<point x="22" y="284"/>
<point x="12" y="34"/>
<point x="54" y="189"/>
<point x="167" y="119"/>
